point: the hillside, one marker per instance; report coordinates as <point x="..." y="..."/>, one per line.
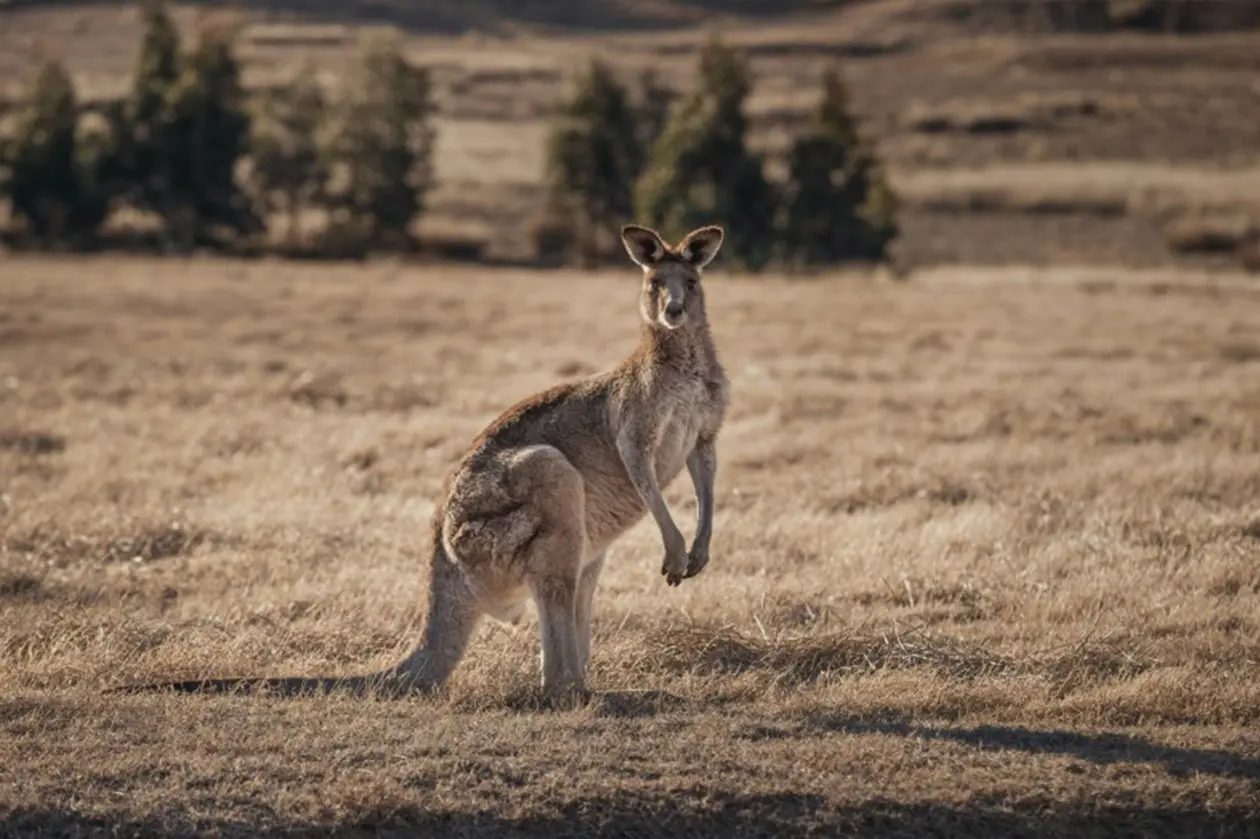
<point x="946" y="86"/>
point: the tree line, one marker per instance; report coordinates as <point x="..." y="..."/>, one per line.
<point x="188" y="147"/>
<point x="680" y="162"/>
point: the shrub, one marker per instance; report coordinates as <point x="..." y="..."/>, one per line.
<point x="382" y="148"/>
<point x="700" y="170"/>
<point x="54" y="175"/>
<point x="838" y="206"/>
<point x="290" y="169"/>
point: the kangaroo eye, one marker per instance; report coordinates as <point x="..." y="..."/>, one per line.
<point x="692" y="284"/>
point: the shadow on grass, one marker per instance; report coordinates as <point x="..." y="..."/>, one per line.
<point x="1100" y="748"/>
<point x="691" y="813"/>
<point x="606" y="703"/>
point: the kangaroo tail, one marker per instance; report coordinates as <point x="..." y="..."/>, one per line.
<point x="452" y="616"/>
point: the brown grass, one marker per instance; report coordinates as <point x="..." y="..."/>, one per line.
<point x="985" y="560"/>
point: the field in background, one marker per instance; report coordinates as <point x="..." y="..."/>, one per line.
<point x="985" y="125"/>
<point x="985" y="559"/>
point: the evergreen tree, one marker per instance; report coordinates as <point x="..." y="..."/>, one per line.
<point x="289" y="167"/>
<point x="701" y="171"/>
<point x="651" y="113"/>
<point x="593" y="155"/>
<point x="181" y="133"/>
<point x="139" y="125"/>
<point x="159" y="63"/>
<point x="838" y="206"/>
<point x="384" y="146"/>
<point x="54" y="179"/>
<point x="205" y="132"/>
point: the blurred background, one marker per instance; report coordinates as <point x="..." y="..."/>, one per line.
<point x="915" y="132"/>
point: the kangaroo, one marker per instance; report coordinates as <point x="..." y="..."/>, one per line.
<point x="532" y="506"/>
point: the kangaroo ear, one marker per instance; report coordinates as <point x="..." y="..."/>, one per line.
<point x="644" y="245"/>
<point x="701" y="245"/>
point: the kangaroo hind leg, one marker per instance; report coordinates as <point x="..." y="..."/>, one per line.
<point x="552" y="561"/>
<point x="585" y="603"/>
<point x="562" y="674"/>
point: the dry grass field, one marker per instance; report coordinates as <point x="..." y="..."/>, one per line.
<point x="987" y="558"/>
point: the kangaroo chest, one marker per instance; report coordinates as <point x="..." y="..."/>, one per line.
<point x="697" y="408"/>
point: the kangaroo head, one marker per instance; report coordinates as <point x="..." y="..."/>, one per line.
<point x="672" y="295"/>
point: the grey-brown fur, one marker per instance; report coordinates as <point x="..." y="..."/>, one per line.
<point x="532" y="507"/>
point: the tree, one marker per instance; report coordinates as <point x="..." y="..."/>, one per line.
<point x="838" y="206"/>
<point x="182" y="132"/>
<point x="651" y="113"/>
<point x="159" y="63"/>
<point x="700" y="170"/>
<point x="289" y="165"/>
<point x="593" y="156"/>
<point x="54" y="177"/>
<point x="204" y="134"/>
<point x="383" y="148"/>
<point x="138" y="124"/>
